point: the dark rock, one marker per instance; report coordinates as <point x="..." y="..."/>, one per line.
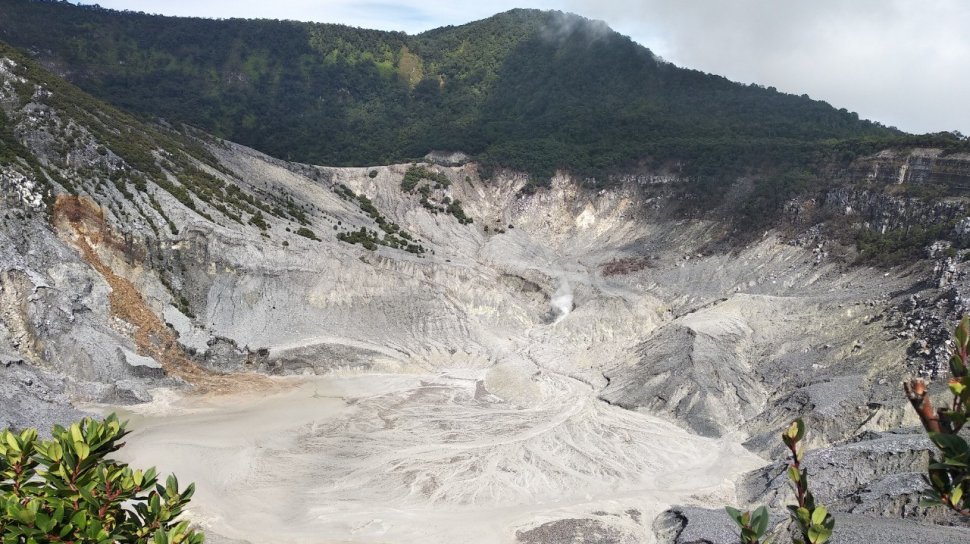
<point x="586" y="531"/>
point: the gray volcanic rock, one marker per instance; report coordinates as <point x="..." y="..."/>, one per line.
<point x="587" y="531"/>
<point x="690" y="525"/>
<point x="693" y="369"/>
<point x="852" y="529"/>
<point x="879" y="474"/>
<point x="31" y="397"/>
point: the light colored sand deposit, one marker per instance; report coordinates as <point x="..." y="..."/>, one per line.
<point x="425" y="458"/>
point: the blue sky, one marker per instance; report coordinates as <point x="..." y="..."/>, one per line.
<point x="903" y="63"/>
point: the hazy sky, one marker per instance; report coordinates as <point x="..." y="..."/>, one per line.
<point x="905" y="63"/>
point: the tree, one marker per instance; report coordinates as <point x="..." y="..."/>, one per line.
<point x="68" y="490"/>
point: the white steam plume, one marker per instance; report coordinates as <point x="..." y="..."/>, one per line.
<point x="562" y="301"/>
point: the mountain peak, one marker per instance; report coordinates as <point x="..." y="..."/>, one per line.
<point x="538" y="91"/>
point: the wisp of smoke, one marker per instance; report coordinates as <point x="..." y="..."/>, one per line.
<point x="562" y="301"/>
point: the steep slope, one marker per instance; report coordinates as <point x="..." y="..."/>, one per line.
<point x="526" y="89"/>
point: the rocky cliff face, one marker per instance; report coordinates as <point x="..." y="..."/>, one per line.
<point x="914" y="167"/>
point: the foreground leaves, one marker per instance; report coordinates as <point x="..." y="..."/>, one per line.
<point x="753" y="524"/>
<point x="812" y="521"/>
<point x="949" y="470"/>
<point x="66" y="489"/>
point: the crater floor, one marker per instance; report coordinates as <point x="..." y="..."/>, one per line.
<point x="426" y="458"/>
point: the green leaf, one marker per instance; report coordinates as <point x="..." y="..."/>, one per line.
<point x="956" y="495"/>
<point x="760" y="520"/>
<point x="82" y="449"/>
<point x="949" y="442"/>
<point x="24" y="515"/>
<point x="803" y="516"/>
<point x="957" y="388"/>
<point x="818" y="534"/>
<point x="55" y="451"/>
<point x="818" y="516"/>
<point x="44" y="522"/>
<point x="12" y="441"/>
<point x="957" y="366"/>
<point x="76" y="433"/>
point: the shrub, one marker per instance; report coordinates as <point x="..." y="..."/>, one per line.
<point x="813" y="522"/>
<point x="258" y="221"/>
<point x="66" y="489"/>
<point x="753" y="524"/>
<point x="415" y="174"/>
<point x="949" y="471"/>
<point x="455" y="209"/>
<point x="307" y="233"/>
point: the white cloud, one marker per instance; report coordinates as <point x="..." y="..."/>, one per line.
<point x="899" y="62"/>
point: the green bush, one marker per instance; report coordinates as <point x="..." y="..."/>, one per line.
<point x="455" y="209"/>
<point x="67" y="489"/>
<point x="415" y="174"/>
<point x="307" y="233"/>
<point x="258" y="221"/>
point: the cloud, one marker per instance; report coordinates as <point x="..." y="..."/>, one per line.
<point x="899" y="62"/>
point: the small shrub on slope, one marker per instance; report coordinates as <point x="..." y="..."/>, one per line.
<point x="813" y="522"/>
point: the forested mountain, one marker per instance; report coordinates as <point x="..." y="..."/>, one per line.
<point x="525" y="89"/>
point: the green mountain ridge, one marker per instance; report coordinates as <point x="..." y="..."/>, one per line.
<point x="530" y="90"/>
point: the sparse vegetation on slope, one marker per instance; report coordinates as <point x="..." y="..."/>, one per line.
<point x="394" y="236"/>
<point x="132" y="154"/>
<point x="433" y="195"/>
